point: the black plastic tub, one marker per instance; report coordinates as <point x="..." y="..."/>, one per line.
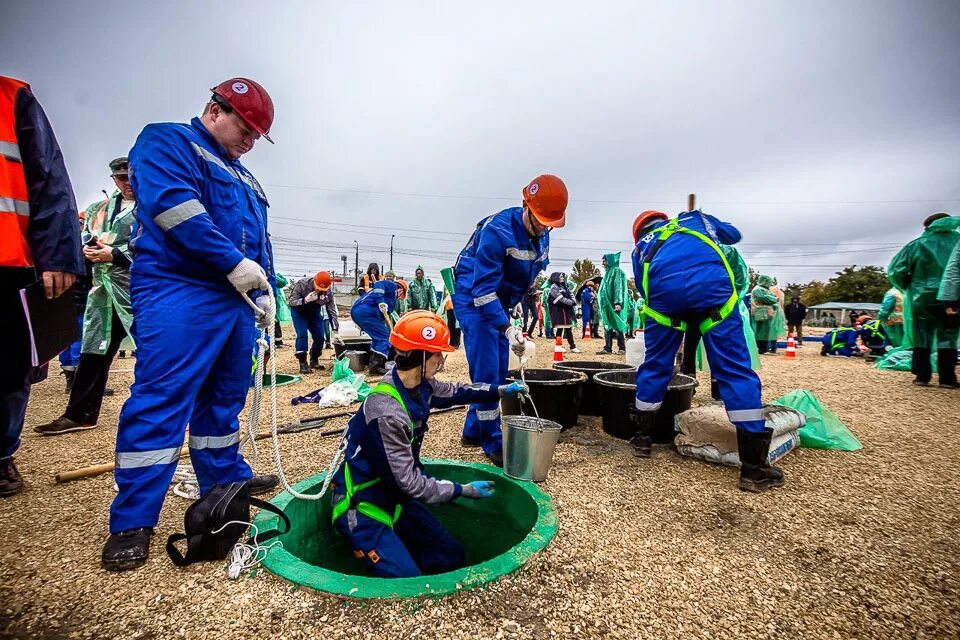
<point x="361" y="343"/>
<point x="555" y="392"/>
<point x="618" y="389"/>
<point x="590" y="401"/>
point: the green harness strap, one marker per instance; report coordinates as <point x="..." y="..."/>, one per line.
<point x="666" y="232"/>
<point x="369" y="509"/>
<point x="834" y="343"/>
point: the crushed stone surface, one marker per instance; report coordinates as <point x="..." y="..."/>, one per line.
<point x="856" y="545"/>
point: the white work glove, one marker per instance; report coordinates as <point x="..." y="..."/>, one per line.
<point x="248" y="275"/>
<point x="310" y="297"/>
<point x="516" y="341"/>
<point x="383" y="307"/>
<point x="268" y="309"/>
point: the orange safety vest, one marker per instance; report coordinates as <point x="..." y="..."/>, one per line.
<point x="14" y="203"/>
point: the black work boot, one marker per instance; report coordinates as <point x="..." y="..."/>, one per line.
<point x="262" y="483"/>
<point x="315" y="358"/>
<point x="69" y="375"/>
<point x="126" y="550"/>
<point x="302" y="359"/>
<point x="10" y="481"/>
<point x="642" y="440"/>
<point x="947" y="368"/>
<point x="62" y="425"/>
<point x="920" y="366"/>
<point x="756" y="474"/>
<point x="378" y="364"/>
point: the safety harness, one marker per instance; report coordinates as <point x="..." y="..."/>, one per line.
<point x="834" y="342"/>
<point x="349" y="500"/>
<point x="875" y="332"/>
<point x="715" y="315"/>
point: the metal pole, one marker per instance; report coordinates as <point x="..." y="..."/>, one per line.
<point x="391" y="252"/>
<point x="356" y="266"/>
<point x="344" y="259"/>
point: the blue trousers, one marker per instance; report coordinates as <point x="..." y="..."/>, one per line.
<point x="13" y="410"/>
<point x="70" y="357"/>
<point x="729" y="360"/>
<point x="193" y="366"/>
<point x="488" y="357"/>
<point x="418" y="544"/>
<point x="307" y="320"/>
<point x="370" y="320"/>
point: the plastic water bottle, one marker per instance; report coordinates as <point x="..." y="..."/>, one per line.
<point x="529" y="355"/>
<point x="636" y="349"/>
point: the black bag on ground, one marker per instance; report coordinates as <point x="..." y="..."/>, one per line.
<point x="211" y="513"/>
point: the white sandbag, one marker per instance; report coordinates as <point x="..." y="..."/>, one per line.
<point x="706" y="433"/>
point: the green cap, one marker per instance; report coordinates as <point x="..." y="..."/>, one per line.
<point x="119" y="166"/>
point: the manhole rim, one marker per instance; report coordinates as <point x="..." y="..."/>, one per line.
<point x="291" y="568"/>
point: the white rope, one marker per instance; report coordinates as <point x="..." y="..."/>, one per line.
<point x="246" y="556"/>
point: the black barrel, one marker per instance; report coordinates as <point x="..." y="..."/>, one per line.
<point x="590" y="402"/>
<point x="556" y="394"/>
<point x="618" y="392"/>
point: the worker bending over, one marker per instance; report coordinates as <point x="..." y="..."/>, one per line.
<point x="841" y="341"/>
<point x="311" y="302"/>
<point x="873" y="335"/>
<point x="687" y="279"/>
<point x="380" y="490"/>
<point x="502" y="258"/>
<point x="371" y="312"/>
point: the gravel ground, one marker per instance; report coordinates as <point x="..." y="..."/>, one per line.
<point x="856" y="545"/>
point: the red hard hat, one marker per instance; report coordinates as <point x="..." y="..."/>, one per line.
<point x="644" y="219"/>
<point x="250" y="101"/>
<point x="546" y="196"/>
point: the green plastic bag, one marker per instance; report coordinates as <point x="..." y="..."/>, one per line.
<point x="823" y="429"/>
<point x="342" y="371"/>
<point x="900" y="359"/>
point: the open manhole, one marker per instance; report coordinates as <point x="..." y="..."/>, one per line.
<point x="498" y="534"/>
<point x="283" y="379"/>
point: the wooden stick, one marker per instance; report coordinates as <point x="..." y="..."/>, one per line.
<point x="691" y="202"/>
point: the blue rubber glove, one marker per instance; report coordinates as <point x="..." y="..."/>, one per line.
<point x="513" y="389"/>
<point x="478" y="489"/>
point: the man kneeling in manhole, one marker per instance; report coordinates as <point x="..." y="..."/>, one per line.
<point x="380" y="489"/>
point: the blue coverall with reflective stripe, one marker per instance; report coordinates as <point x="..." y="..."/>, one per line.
<point x="198" y="214"/>
<point x="492" y="273"/>
<point x="366" y="313"/>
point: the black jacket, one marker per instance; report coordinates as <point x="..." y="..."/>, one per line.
<point x="795" y="312"/>
<point x="561" y="303"/>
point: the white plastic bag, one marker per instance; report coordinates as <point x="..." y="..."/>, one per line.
<point x="338" y="394"/>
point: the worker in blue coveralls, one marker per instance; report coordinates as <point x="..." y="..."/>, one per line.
<point x="371" y="312"/>
<point x="841" y="341"/>
<point x="502" y="258"/>
<point x="380" y="489"/>
<point x="201" y="246"/>
<point x="685" y="278"/>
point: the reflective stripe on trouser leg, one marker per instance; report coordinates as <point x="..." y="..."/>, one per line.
<point x="653" y="376"/>
<point x="383" y="551"/>
<point x="214" y="425"/>
<point x="177" y="348"/>
<point x="371" y="321"/>
<point x="738" y="383"/>
<point x="488" y="359"/>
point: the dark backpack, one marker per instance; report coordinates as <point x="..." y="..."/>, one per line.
<point x="211" y="513"/>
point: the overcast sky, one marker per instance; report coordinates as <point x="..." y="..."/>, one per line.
<point x="827" y="131"/>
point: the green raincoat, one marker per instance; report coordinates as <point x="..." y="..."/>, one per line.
<point x="766" y="314"/>
<point x="950" y="285"/>
<point x="283" y="309"/>
<point x="613" y="291"/>
<point x="111" y="221"/>
<point x="545" y="305"/>
<point x="421" y="293"/>
<point x="917" y="270"/>
<point x="891" y="315"/>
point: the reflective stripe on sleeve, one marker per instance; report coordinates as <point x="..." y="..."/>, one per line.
<point x="180" y="213"/>
<point x="10" y="151"/>
<point x="20" y="207"/>
<point x="521" y="254"/>
<point x="491" y="414"/>
<point x="745" y="415"/>
<point x="135" y="459"/>
<point x="647" y="406"/>
<point x="482" y="300"/>
<point x="214" y="442"/>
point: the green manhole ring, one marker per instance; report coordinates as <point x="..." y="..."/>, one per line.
<point x="499" y="535"/>
<point x="283" y="379"/>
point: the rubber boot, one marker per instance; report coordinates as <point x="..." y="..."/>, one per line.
<point x="378" y="364"/>
<point x="642" y="440"/>
<point x="302" y="359"/>
<point x="947" y="368"/>
<point x="920" y="366"/>
<point x="315" y="357"/>
<point x="69" y="375"/>
<point x="127" y="549"/>
<point x="756" y="474"/>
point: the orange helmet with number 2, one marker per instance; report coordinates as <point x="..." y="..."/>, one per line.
<point x="422" y="330"/>
<point x="644" y="220"/>
<point x="546" y="197"/>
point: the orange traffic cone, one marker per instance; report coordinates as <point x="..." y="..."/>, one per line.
<point x="558" y="350"/>
<point x="791" y="351"/>
<point x="586" y="332"/>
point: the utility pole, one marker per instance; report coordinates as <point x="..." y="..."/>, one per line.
<point x="356" y="266"/>
<point x="344" y="259"/>
<point x="391" y="252"/>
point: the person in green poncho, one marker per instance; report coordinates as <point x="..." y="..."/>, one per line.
<point x="545" y="307"/>
<point x="108" y="316"/>
<point x="766" y="315"/>
<point x="949" y="293"/>
<point x="402" y="305"/>
<point x="614" y="306"/>
<point x="891" y="316"/>
<point x="918" y="270"/>
<point x="421" y="293"/>
<point x="283" y="309"/>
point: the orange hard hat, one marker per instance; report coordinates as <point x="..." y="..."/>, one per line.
<point x="323" y="280"/>
<point x="863" y="319"/>
<point x="546" y="196"/>
<point x="250" y="101"/>
<point x="401" y="289"/>
<point x="645" y="219"/>
<point x="422" y="330"/>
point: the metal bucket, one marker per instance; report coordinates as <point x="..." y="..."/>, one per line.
<point x="358" y="360"/>
<point x="528" y="445"/>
